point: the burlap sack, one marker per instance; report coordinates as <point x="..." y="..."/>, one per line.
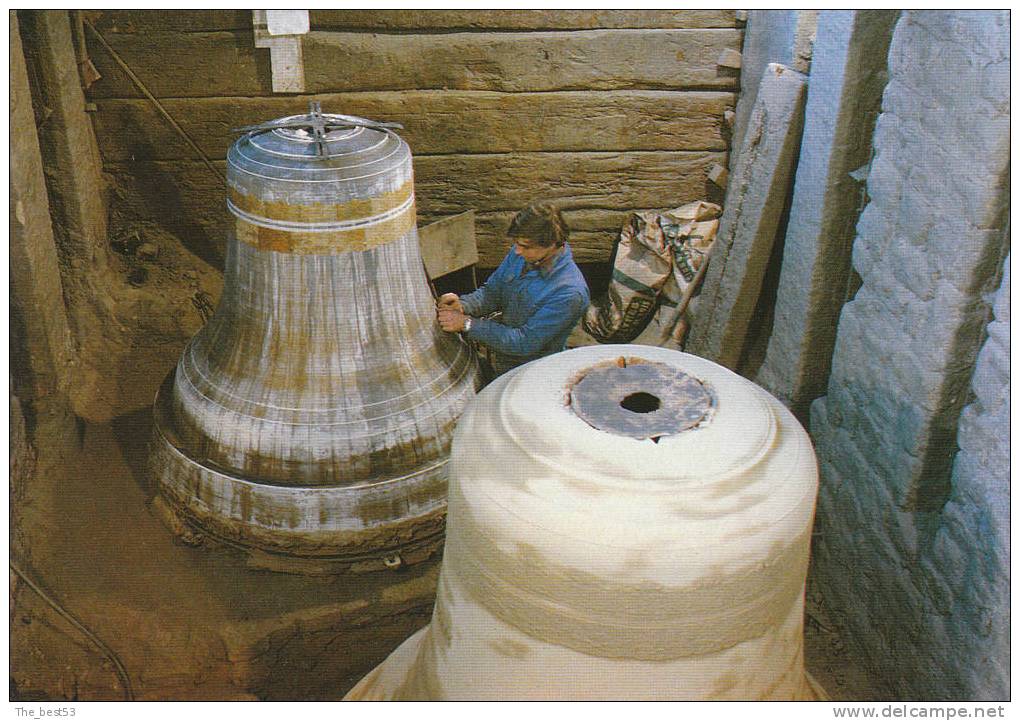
<point x="656" y="258"/>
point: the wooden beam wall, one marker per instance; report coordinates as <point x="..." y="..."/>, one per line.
<point x="603" y="111"/>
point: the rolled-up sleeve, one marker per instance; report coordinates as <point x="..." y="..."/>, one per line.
<point x="553" y="317"/>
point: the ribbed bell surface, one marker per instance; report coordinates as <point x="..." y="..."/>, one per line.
<point x="626" y="522"/>
<point x="312" y="415"/>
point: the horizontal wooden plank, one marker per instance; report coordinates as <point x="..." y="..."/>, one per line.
<point x="180" y="64"/>
<point x="451" y="183"/>
<point x="188" y="21"/>
<point x="186" y="199"/>
<point x="436" y="121"/>
<point x="384" y="20"/>
<point x="141" y="21"/>
<point x="592" y="234"/>
<point x="227" y="64"/>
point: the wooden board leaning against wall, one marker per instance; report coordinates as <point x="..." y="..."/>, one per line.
<point x="604" y="112"/>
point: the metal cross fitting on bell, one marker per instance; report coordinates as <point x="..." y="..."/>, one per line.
<point x="318" y="125"/>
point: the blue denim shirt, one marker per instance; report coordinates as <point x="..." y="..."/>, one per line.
<point x="540" y="307"/>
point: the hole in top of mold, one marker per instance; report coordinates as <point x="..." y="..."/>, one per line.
<point x="641" y="402"/>
<point x="640" y="399"/>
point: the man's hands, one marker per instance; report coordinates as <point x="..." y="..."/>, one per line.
<point x="450" y="313"/>
<point x="450" y="300"/>
<point x="450" y="320"/>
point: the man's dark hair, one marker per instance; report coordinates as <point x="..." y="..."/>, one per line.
<point x="540" y="222"/>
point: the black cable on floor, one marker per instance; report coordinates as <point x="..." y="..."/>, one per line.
<point x="125" y="681"/>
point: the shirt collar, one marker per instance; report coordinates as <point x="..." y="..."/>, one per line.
<point x="547" y="266"/>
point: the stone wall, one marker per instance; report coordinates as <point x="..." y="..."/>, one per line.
<point x="974" y="535"/>
<point x="848" y="74"/>
<point x="772" y="36"/>
<point x="603" y="111"/>
<point x="912" y="549"/>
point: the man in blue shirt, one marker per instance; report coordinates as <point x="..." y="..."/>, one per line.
<point x="538" y="288"/>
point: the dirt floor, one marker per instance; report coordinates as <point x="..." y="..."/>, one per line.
<point x="829" y="656"/>
<point x="186" y="623"/>
<point x="195" y="623"/>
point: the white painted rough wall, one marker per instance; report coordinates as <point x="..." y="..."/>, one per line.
<point x="911" y="548"/>
<point x="976" y="518"/>
<point x="771" y="36"/>
<point x="848" y="74"/>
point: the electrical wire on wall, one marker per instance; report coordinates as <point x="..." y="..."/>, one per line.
<point x="152" y="99"/>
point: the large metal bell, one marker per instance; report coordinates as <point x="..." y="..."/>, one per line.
<point x="311" y="417"/>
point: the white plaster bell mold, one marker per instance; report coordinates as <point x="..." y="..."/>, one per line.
<point x="625" y="522"/>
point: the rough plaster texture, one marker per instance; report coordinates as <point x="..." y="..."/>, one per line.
<point x="843" y="100"/>
<point x="771" y="36"/>
<point x="975" y="528"/>
<point x="642" y="568"/>
<point x="754" y="205"/>
<point x="913" y="556"/>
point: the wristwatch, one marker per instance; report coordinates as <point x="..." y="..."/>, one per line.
<point x="467" y="324"/>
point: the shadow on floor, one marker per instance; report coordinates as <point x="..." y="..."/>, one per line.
<point x="132" y="432"/>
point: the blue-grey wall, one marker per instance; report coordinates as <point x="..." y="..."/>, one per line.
<point x="912" y="435"/>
